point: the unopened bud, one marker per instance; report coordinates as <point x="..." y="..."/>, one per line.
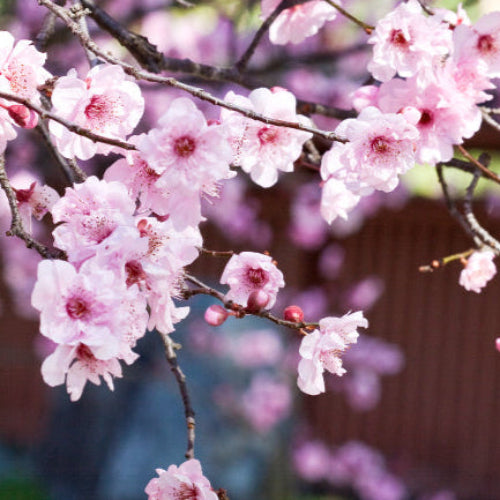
<point x="23" y="116"/>
<point x="497" y="343"/>
<point x="257" y="301"/>
<point x="294" y="314"/>
<point x="216" y="315"/>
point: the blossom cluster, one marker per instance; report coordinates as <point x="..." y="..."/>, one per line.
<point x="433" y="72"/>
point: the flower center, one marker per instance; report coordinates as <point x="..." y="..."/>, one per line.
<point x="77" y="308"/>
<point x="184" y="146"/>
<point x="380" y="145"/>
<point x="186" y="492"/>
<point x="98" y="109"/>
<point x="258" y="277"/>
<point x="397" y="37"/>
<point x="426" y="118"/>
<point x="267" y="135"/>
<point x="485" y="44"/>
<point x="135" y="272"/>
<point x="83" y="353"/>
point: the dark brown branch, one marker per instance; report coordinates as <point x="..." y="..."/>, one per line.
<point x="172" y="82"/>
<point x="63" y="163"/>
<point x="242" y="64"/>
<point x="476" y="228"/>
<point x="485" y="170"/>
<point x="16" y="226"/>
<point x="73" y="127"/>
<point x="368" y="28"/>
<point x="181" y="382"/>
<point x="452" y="207"/>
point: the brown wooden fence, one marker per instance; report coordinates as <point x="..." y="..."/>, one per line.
<point x="439" y="419"/>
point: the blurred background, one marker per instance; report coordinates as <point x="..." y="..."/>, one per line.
<point x="416" y="415"/>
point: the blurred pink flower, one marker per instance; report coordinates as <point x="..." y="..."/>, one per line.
<point x="479" y="270"/>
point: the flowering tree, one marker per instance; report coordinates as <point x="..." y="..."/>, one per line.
<point x="117" y="265"/>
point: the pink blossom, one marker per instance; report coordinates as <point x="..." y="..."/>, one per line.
<point x="106" y="102"/>
<point x="266" y="402"/>
<point x="296" y="23"/>
<point x="21" y="67"/>
<point x="321" y="350"/>
<point x="481" y="41"/>
<point x="479" y="269"/>
<point x="250" y="271"/>
<point x="185" y="482"/>
<point x="381" y="146"/>
<point x="90" y="211"/>
<point x="184" y="150"/>
<point x="447" y="115"/>
<point x="336" y="200"/>
<point x="406" y="41"/>
<point x="90" y="307"/>
<point x="35" y="200"/>
<point x="77" y="364"/>
<point x="259" y="149"/>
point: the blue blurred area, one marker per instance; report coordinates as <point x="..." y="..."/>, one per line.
<point x="107" y="445"/>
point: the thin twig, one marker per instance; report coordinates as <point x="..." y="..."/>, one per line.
<point x="368" y="28"/>
<point x="172" y="82"/>
<point x="489" y="119"/>
<point x="16" y="226"/>
<point x="476" y="228"/>
<point x="242" y="63"/>
<point x="486" y="171"/>
<point x="241" y="311"/>
<point x="452" y="207"/>
<point x="181" y="382"/>
<point x="216" y="253"/>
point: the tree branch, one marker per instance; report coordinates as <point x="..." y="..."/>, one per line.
<point x="16" y="226"/>
<point x="181" y="381"/>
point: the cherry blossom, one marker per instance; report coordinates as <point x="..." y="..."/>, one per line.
<point x="21" y="67"/>
<point x="89" y="306"/>
<point x="296" y="23"/>
<point x="406" y="41"/>
<point x="184" y="150"/>
<point x="479" y="269"/>
<point x="248" y="272"/>
<point x="106" y="102"/>
<point x="35" y="201"/>
<point x="336" y="200"/>
<point x="76" y="365"/>
<point x="90" y="211"/>
<point x="481" y="41"/>
<point x="321" y="350"/>
<point x="185" y="482"/>
<point x="260" y="149"/>
<point x="447" y="116"/>
<point x="381" y="146"/>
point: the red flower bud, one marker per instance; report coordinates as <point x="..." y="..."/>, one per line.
<point x="294" y="314"/>
<point x="216" y="315"/>
<point x="23" y="116"/>
<point x="257" y="300"/>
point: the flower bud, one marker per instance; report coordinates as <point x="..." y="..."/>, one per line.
<point x="215" y="315"/>
<point x="497" y="343"/>
<point x="294" y="314"/>
<point x="257" y="301"/>
<point x="23" y="116"/>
